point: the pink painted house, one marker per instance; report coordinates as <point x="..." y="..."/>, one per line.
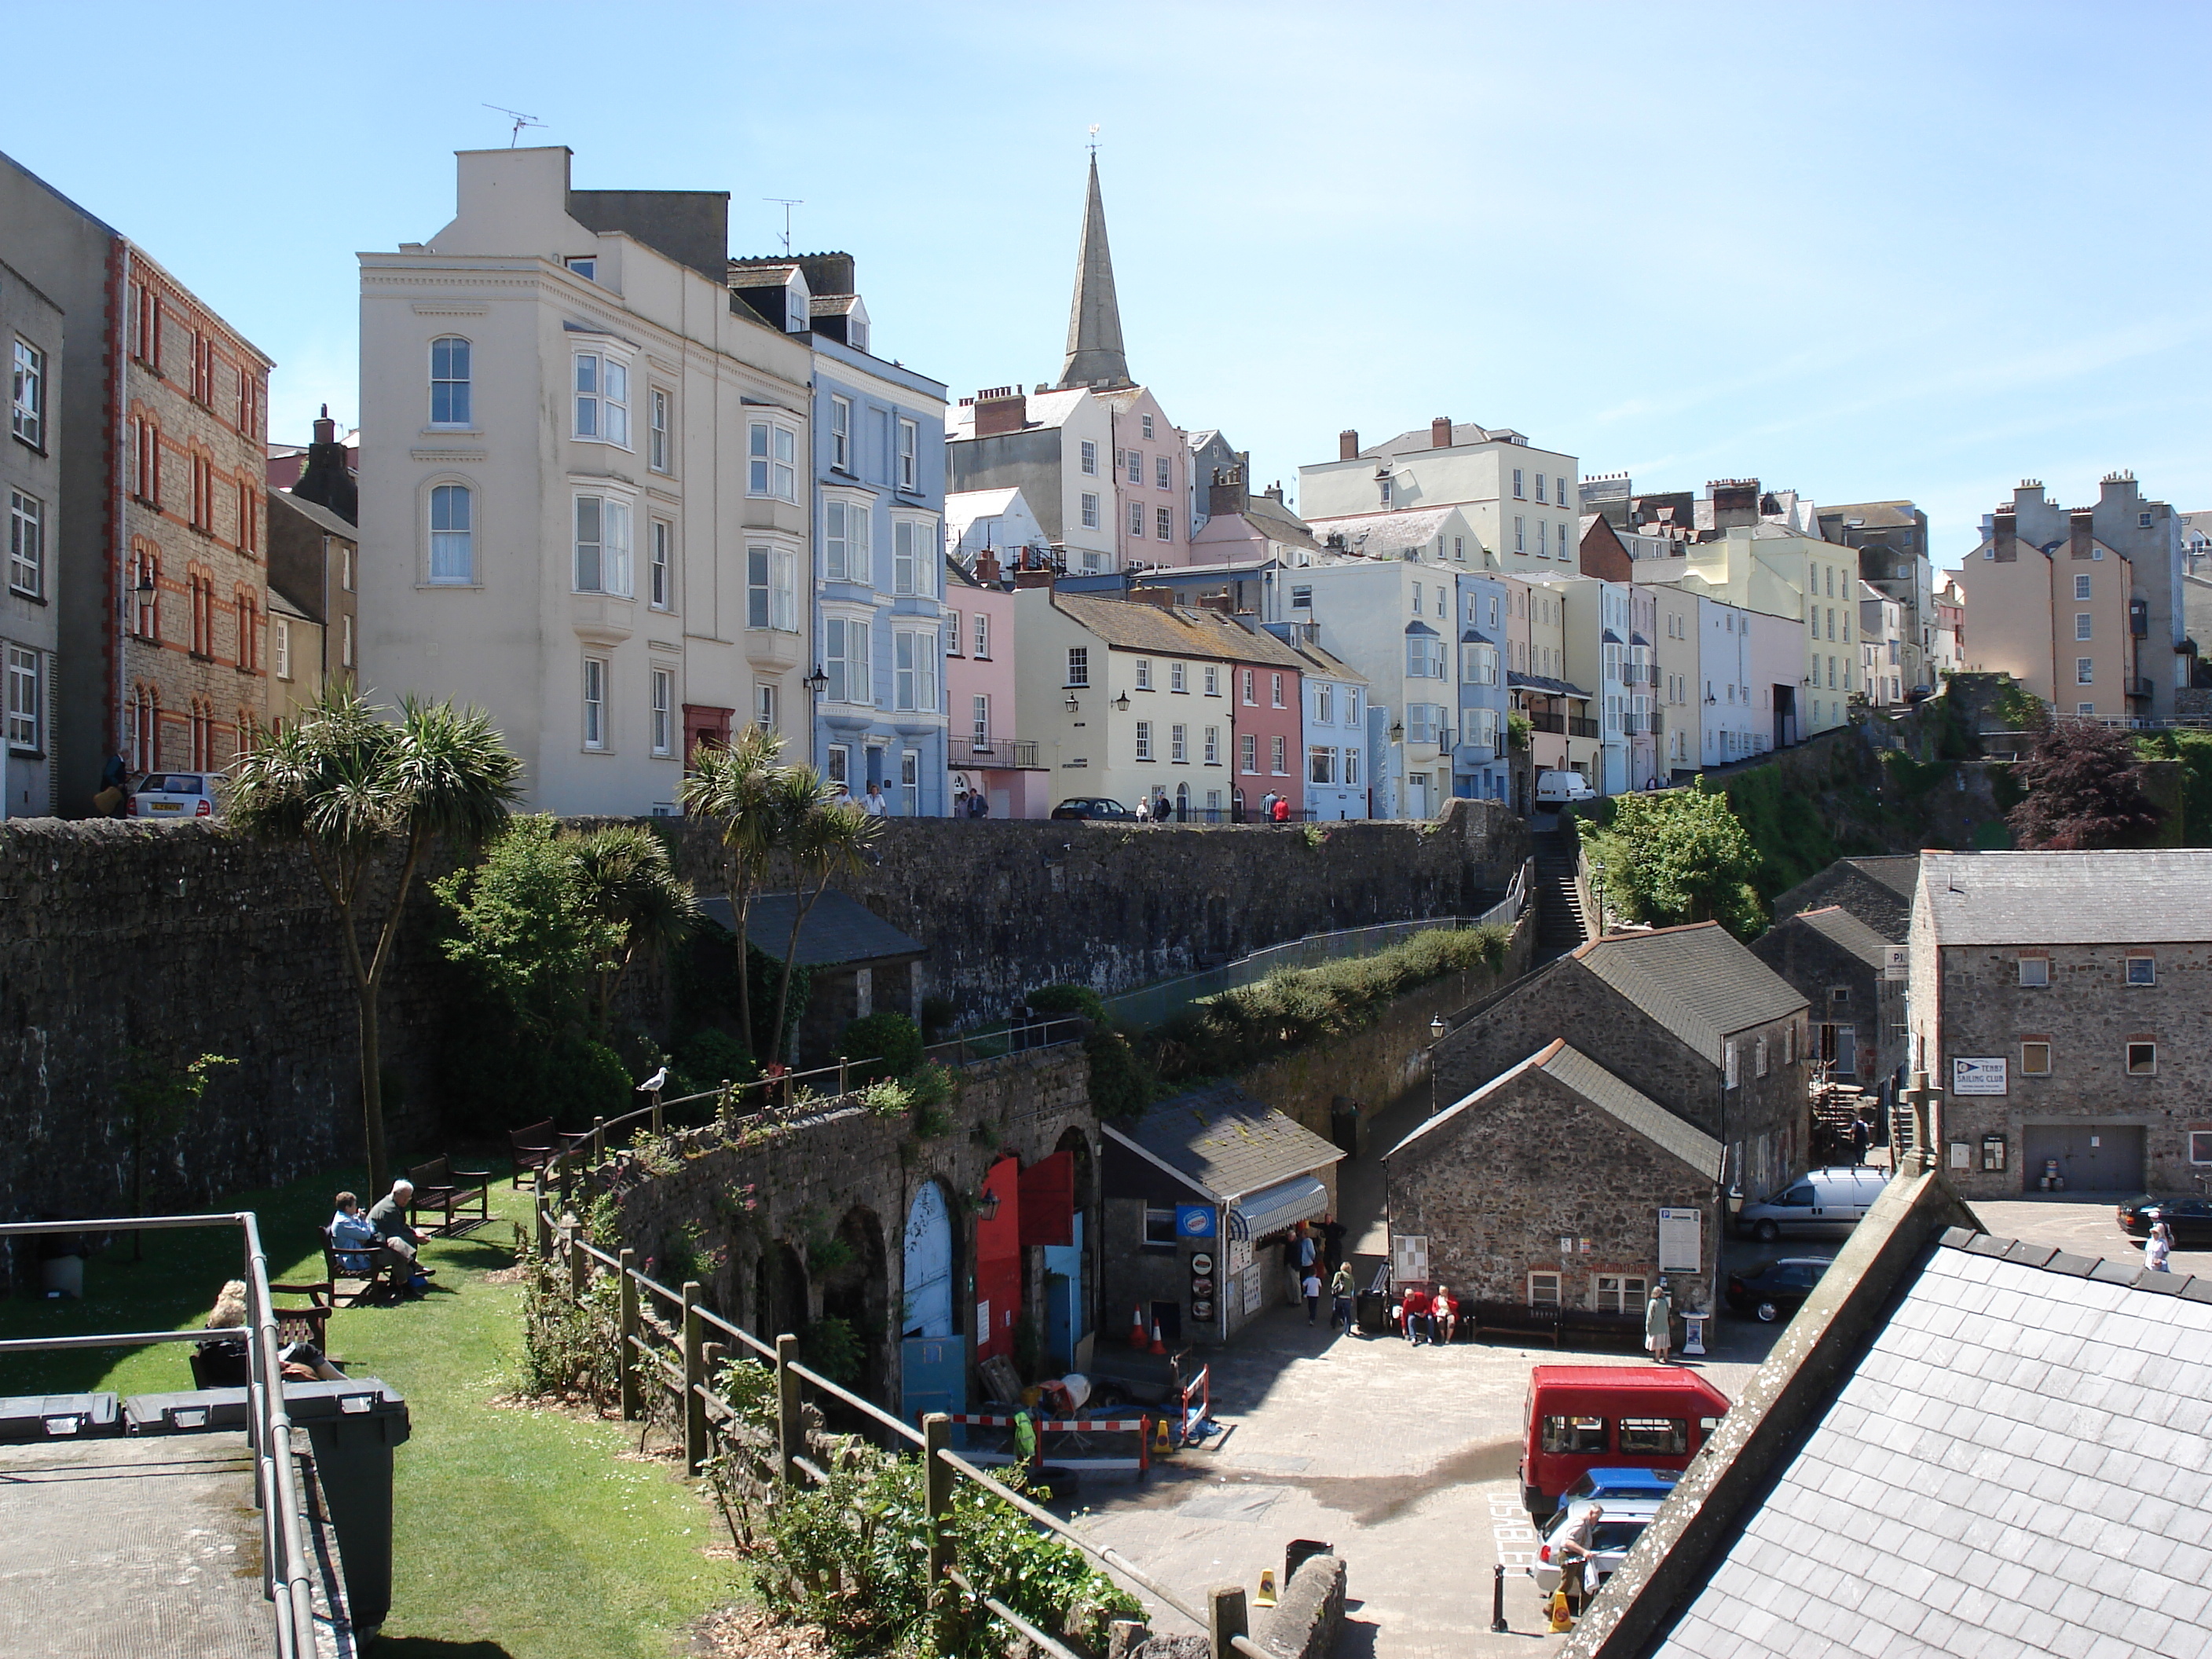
<point x="983" y="747"/>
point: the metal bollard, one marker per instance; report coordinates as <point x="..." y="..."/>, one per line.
<point x="1497" y="1597"/>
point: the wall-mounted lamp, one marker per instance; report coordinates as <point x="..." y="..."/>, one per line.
<point x="817" y="682"/>
<point x="145" y="578"/>
<point x="1122" y="703"/>
<point x="987" y="1204"/>
<point x="1072" y="705"/>
<point x="1437" y="1029"/>
<point x="1398" y="731"/>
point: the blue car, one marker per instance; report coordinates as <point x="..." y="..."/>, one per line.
<point x="1607" y="1485"/>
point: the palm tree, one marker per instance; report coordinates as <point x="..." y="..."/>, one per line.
<point x="625" y="878"/>
<point x="732" y="785"/>
<point x="825" y="841"/>
<point x="358" y="792"/>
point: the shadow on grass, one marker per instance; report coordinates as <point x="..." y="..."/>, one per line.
<point x="419" y="1647"/>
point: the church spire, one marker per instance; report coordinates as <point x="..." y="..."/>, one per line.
<point x="1093" y="321"/>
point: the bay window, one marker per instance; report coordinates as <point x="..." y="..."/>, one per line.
<point x="771" y="589"/>
<point x="913" y="671"/>
<point x="845" y="661"/>
<point x="601" y="387"/>
<point x="772" y="461"/>
<point x="602" y="546"/>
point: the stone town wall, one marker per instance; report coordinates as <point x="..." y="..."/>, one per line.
<point x="1376" y="1065"/>
<point x="847" y="1173"/>
<point x="1006" y="905"/>
<point x="180" y="940"/>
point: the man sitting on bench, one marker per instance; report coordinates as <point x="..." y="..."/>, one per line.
<point x="359" y="1245"/>
<point x="389" y="1217"/>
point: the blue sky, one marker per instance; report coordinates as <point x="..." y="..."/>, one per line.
<point x="1863" y="250"/>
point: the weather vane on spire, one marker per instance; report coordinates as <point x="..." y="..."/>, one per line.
<point x="1094" y="140"/>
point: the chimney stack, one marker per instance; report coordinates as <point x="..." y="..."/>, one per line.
<point x="1002" y="408"/>
<point x="1227" y="494"/>
<point x="326" y="429"/>
<point x="1440" y="433"/>
<point x="1163" y="597"/>
<point x="1025" y="577"/>
<point x="1347" y="445"/>
<point x="987" y="569"/>
<point x="1220" y="602"/>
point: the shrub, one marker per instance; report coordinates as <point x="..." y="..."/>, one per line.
<point x="831" y="1346"/>
<point x="891" y="1040"/>
<point x="1069" y="999"/>
<point x="705" y="1058"/>
<point x="938" y="1014"/>
<point x="932" y="1083"/>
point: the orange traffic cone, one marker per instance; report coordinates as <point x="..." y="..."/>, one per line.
<point x="1158" y="1347"/>
<point x="1265" y="1598"/>
<point x="1136" y="1337"/>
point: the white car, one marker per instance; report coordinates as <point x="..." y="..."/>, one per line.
<point x="1619" y="1525"/>
<point x="1562" y="788"/>
<point x="175" y="795"/>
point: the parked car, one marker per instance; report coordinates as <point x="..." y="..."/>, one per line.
<point x="1562" y="788"/>
<point x="176" y="795"/>
<point x="2190" y="1219"/>
<point x="1817" y="1201"/>
<point x="1609" y="1485"/>
<point x="1620" y="1523"/>
<point x="1093" y="806"/>
<point x="1580" y="1417"/>
<point x="1777" y="1289"/>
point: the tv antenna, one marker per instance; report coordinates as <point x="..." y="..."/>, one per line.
<point x="786" y="203"/>
<point x="520" y="119"/>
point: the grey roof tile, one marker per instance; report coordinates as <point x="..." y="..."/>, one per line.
<point x="1697" y="981"/>
<point x="1228" y="1142"/>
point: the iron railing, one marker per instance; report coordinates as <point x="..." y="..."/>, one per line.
<point x="1020" y="753"/>
<point x="286" y="1558"/>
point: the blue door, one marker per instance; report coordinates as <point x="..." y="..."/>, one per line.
<point x="932" y="1377"/>
<point x="1063" y="1300"/>
<point x="926" y="1266"/>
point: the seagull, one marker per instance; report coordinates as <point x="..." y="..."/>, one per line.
<point x="658" y="1081"/>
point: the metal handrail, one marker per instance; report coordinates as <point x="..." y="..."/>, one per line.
<point x="285" y="1578"/>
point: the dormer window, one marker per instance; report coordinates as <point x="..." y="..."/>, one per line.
<point x="1382" y="486"/>
<point x="856" y="334"/>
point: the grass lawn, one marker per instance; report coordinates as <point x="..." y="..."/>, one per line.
<point x="518" y="1533"/>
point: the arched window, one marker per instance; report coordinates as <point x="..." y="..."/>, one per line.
<point x="453" y="534"/>
<point x="249" y="630"/>
<point x="449" y="382"/>
<point x="143" y="723"/>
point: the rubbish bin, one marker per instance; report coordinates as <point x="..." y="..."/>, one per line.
<point x="1371" y="1305"/>
<point x="198" y="1411"/>
<point x="351" y="1428"/>
<point x="59" y="1417"/>
<point x="1347" y="1127"/>
<point x="1298" y="1551"/>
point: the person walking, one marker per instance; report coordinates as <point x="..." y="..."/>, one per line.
<point x="2158" y="1246"/>
<point x="1143" y="807"/>
<point x="1311" y="1287"/>
<point x="1282" y="809"/>
<point x="1659" y="1324"/>
<point x="873" y="803"/>
<point x="1340" y="1291"/>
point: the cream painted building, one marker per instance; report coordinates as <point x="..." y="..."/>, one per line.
<point x="584" y="481"/>
<point x="1677" y="694"/>
<point x="1521" y="502"/>
<point x="1777" y="571"/>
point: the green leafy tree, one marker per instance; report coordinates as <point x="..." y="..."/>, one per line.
<point x="365" y="797"/>
<point x="1675" y="857"/>
<point x="522" y="924"/>
<point x="824" y="842"/>
<point x="625" y="880"/>
<point x="2084" y="790"/>
<point x="158" y="1099"/>
<point x="734" y="787"/>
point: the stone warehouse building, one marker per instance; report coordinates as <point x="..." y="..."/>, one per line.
<point x="157" y="564"/>
<point x="1839" y="963"/>
<point x="30" y="498"/>
<point x="2057" y="999"/>
<point x="1547" y="1187"/>
<point x="1684" y="1016"/>
<point x="1877" y="890"/>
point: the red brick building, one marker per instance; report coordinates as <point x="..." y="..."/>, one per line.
<point x="192" y="678"/>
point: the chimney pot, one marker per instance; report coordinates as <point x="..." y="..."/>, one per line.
<point x="1440" y="433"/>
<point x="987" y="567"/>
<point x="1347" y="445"/>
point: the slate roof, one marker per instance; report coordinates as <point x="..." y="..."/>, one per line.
<point x="1697" y="981"/>
<point x="1543" y="682"/>
<point x="1384" y="535"/>
<point x="1899" y="872"/>
<point x="1227" y="1142"/>
<point x="838" y="932"/>
<point x="1577" y="1071"/>
<point x="1839" y="924"/>
<point x="1272" y="518"/>
<point x="1139" y="626"/>
<point x="2067" y="899"/>
<point x="319" y="515"/>
<point x="1422" y="437"/>
<point x="2016" y="1466"/>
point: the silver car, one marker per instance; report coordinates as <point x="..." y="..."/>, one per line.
<point x="1619" y="1525"/>
<point x="177" y="795"/>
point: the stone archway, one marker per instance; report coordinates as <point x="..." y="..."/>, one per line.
<point x="1079" y="1318"/>
<point x="781" y="1304"/>
<point x="857" y="1290"/>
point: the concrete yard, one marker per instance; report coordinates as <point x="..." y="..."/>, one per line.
<point x="141" y="1546"/>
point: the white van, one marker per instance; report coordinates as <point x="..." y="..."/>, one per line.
<point x="1819" y="1200"/>
<point x="1562" y="788"/>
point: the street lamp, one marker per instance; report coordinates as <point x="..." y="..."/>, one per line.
<point x="817" y="682"/>
<point x="1439" y="1029"/>
<point x="1072" y="706"/>
<point x="987" y="1204"/>
<point x="1120" y="703"/>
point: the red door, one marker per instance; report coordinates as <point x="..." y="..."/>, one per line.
<point x="999" y="1261"/>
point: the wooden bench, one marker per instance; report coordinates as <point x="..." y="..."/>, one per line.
<point x="450" y="1192"/>
<point x="1604" y="1326"/>
<point x="535" y="1145"/>
<point x="227" y="1364"/>
<point x="1510" y="1319"/>
<point x="347" y="1288"/>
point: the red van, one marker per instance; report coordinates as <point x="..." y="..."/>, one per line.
<point x="1583" y="1417"/>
